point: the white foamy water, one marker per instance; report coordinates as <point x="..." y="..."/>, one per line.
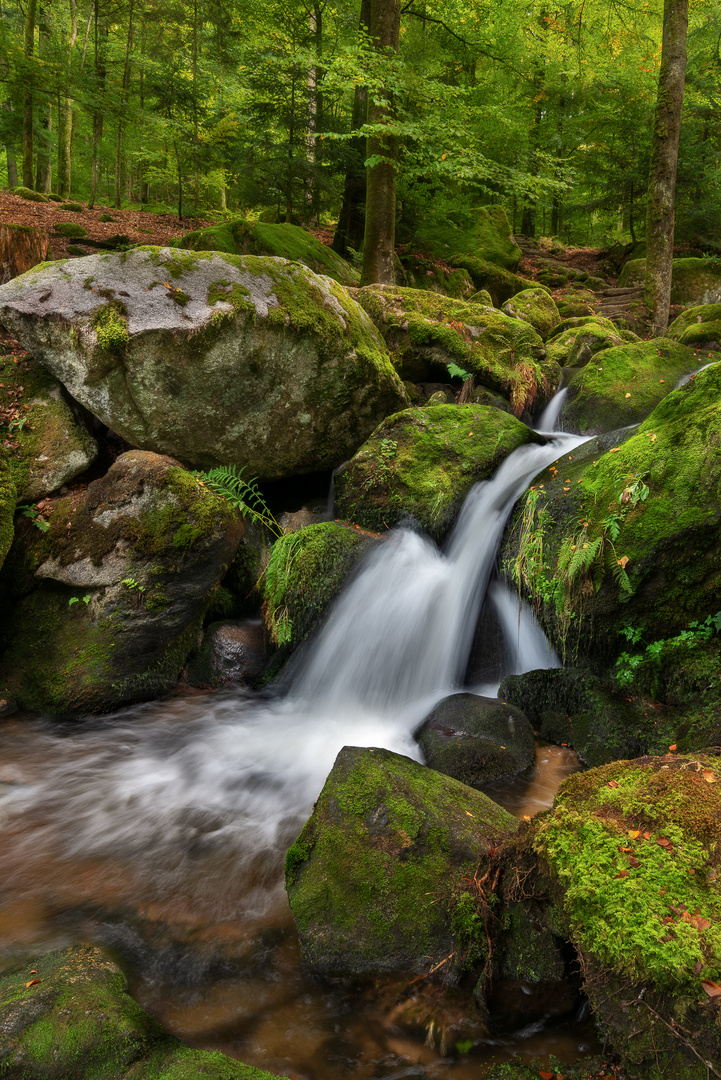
<point x="206" y="794"/>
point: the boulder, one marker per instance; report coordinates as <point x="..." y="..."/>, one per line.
<point x="109" y="599"/>
<point x="624" y="384"/>
<point x="693" y="281"/>
<point x="575" y="302"/>
<point x="535" y="307"/>
<point x="423" y="462"/>
<point x="576" y="340"/>
<point x="602" y="541"/>
<point x="70" y="1014"/>
<point x="482" y="232"/>
<point x="698" y="327"/>
<point x="432" y="335"/>
<point x="375" y="879"/>
<point x="572" y="706"/>
<point x="633" y="852"/>
<point x="21" y="248"/>
<point x="50" y="443"/>
<point x="476" y="739"/>
<point x="307" y="570"/>
<point x="231" y="652"/>
<point x="8" y="498"/>
<point x="237" y="236"/>
<point x="500" y="283"/>
<point x="213" y="358"/>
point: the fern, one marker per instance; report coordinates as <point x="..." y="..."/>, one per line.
<point x="244" y="495"/>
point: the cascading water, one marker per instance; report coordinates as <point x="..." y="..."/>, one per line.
<point x="189" y="806"/>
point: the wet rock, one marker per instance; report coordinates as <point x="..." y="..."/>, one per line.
<point x="8" y="497"/>
<point x="215" y="359"/>
<point x="375" y="877"/>
<point x="107" y="603"/>
<point x="232" y="652"/>
<point x="69" y="1014"/>
<point x="476" y="739"/>
<point x="423" y="462"/>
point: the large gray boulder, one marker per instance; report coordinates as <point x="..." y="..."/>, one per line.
<point x="213" y="358"/>
<point x="105" y="605"/>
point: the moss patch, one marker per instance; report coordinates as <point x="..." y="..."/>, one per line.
<point x="111" y="326"/>
<point x="698" y="327"/>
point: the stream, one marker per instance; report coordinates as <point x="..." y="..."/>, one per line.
<point x="162" y="830"/>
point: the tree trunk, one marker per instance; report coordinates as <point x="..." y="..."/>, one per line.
<point x="351" y="220"/>
<point x="12" y="166"/>
<point x="65" y="140"/>
<point x="100" y="71"/>
<point x="119" y="174"/>
<point x="44" y="173"/>
<point x="29" y="48"/>
<point x="664" y="156"/>
<point x="380" y="227"/>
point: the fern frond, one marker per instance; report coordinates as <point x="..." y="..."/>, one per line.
<point x="244" y="495"/>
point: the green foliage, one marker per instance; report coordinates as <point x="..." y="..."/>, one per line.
<point x="35" y="516"/>
<point x="277" y="578"/>
<point x="628" y="665"/>
<point x="244" y="495"/>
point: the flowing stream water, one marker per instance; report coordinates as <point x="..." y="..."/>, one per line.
<point x="162" y="830"/>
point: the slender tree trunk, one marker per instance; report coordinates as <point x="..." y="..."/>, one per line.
<point x="528" y="220"/>
<point x="29" y="48"/>
<point x="664" y="156"/>
<point x="12" y="165"/>
<point x="100" y="37"/>
<point x="44" y="172"/>
<point x="123" y="101"/>
<point x="380" y="227"/>
<point x="65" y="114"/>
<point x="351" y="220"/>
<point x="195" y="105"/>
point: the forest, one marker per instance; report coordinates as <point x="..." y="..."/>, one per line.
<point x="360" y="540"/>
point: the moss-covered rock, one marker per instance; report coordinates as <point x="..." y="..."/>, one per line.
<point x="577" y="339"/>
<point x="604" y="542"/>
<point x="28" y="194"/>
<point x="572" y="706"/>
<point x="49" y="443"/>
<point x="693" y="281"/>
<point x="483" y="232"/>
<point x="423" y="462"/>
<point x="422" y="271"/>
<point x="535" y="307"/>
<point x="8" y="496"/>
<point x="307" y="570"/>
<point x="573" y="302"/>
<point x="375" y="877"/>
<point x="110" y="598"/>
<point x="500" y="283"/>
<point x="238" y="236"/>
<point x="482" y="296"/>
<point x="70" y="1015"/>
<point x="431" y="335"/>
<point x="476" y="739"/>
<point x="71" y="230"/>
<point x="698" y="327"/>
<point x="624" y="384"/>
<point x="634" y="849"/>
<point x="216" y="359"/>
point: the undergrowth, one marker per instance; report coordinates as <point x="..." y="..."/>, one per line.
<point x="243" y="495"/>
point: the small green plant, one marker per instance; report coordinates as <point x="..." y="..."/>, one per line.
<point x="382" y="468"/>
<point x="111" y="326"/>
<point x="18" y="423"/>
<point x="629" y="664"/>
<point x="457" y="372"/>
<point x="35" y="516"/>
<point x="76" y="599"/>
<point x="131" y="583"/>
<point x="277" y="576"/>
<point x="244" y="495"/>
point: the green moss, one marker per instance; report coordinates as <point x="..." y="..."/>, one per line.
<point x="648" y="909"/>
<point x="438" y="453"/>
<point x="236" y="295"/>
<point x="29" y="194"/>
<point x="70" y="229"/>
<point x="7" y="506"/>
<point x="536" y="308"/>
<point x="693" y="281"/>
<point x="501" y="284"/>
<point x="111" y="326"/>
<point x="74" y="207"/>
<point x="576" y="340"/>
<point x="698" y="327"/>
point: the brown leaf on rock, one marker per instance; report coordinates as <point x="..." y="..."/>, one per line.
<point x="712" y="989"/>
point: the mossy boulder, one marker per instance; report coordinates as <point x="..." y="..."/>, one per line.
<point x="307" y="570"/>
<point x="577" y="339"/>
<point x="617" y="530"/>
<point x="435" y="336"/>
<point x="8" y="497"/>
<point x="375" y="879"/>
<point x="698" y="327"/>
<point x="500" y="283"/>
<point x="28" y="194"/>
<point x="213" y="358"/>
<point x="70" y="1015"/>
<point x="106" y="603"/>
<point x="50" y="443"/>
<point x="634" y="850"/>
<point x="423" y="462"/>
<point x="572" y="706"/>
<point x="622" y="385"/>
<point x="71" y="230"/>
<point x="693" y="281"/>
<point x="482" y="296"/>
<point x="476" y="739"/>
<point x="573" y="302"/>
<point x="535" y="307"/>
<point x="237" y="236"/>
<point x="483" y="233"/>
<point x="421" y="271"/>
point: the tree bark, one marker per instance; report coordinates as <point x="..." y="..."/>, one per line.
<point x="664" y="157"/>
<point x="119" y="172"/>
<point x="351" y="220"/>
<point x="65" y="114"/>
<point x="380" y="226"/>
<point x="100" y="37"/>
<point x="29" y="48"/>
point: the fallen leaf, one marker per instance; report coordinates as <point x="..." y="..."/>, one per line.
<point x="32" y="982"/>
<point x="708" y="776"/>
<point x="633" y="833"/>
<point x="665" y="940"/>
<point x="623" y="561"/>
<point x="628" y="395"/>
<point x="633" y="861"/>
<point x="612" y="783"/>
<point x="672" y="747"/>
<point x="712" y="989"/>
<point x="663" y="842"/>
<point x="614" y="450"/>
<point x="660" y="380"/>
<point x="546" y="1075"/>
<point x="647" y="835"/>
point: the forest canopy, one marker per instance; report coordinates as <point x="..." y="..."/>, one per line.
<point x="254" y="108"/>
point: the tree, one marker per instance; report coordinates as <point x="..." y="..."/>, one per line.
<point x="380" y="227"/>
<point x="660" y="207"/>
